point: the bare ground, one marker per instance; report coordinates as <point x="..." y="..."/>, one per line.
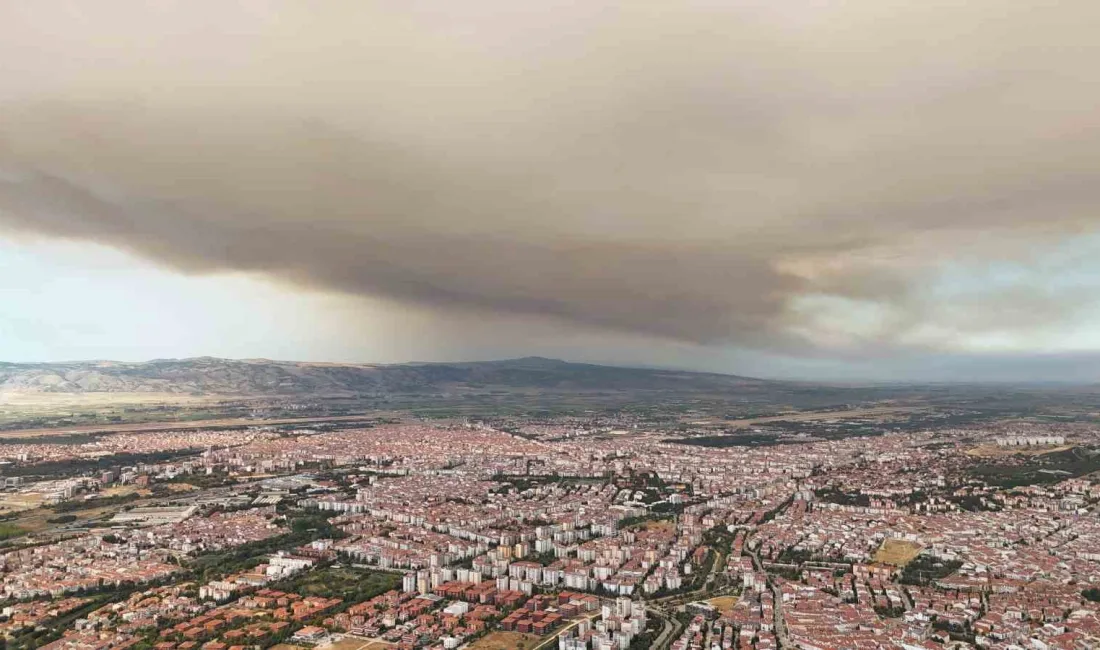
<point x="897" y="552"/>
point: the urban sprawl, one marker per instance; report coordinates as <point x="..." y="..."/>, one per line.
<point x="553" y="535"/>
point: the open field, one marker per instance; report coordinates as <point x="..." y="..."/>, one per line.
<point x="17" y="502"/>
<point x="34" y="409"/>
<point x="342" y="582"/>
<point x="724" y="603"/>
<point x="121" y="491"/>
<point x="35" y="521"/>
<point x="897" y="552"/>
<point x="227" y="423"/>
<point x="996" y="451"/>
<point x="506" y="641"/>
<point x="810" y="416"/>
<point x="10" y="530"/>
<point x="662" y="525"/>
<point x="67" y="400"/>
<point x="1039" y="469"/>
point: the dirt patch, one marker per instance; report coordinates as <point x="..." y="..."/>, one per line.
<point x="723" y="603"/>
<point x="10" y="503"/>
<point x="506" y="641"/>
<point x="663" y="525"/>
<point x="897" y="552"/>
<point x="118" y="491"/>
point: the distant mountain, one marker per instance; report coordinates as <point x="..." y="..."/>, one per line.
<point x="261" y="377"/>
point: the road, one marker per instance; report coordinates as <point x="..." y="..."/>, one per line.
<point x="717" y="567"/>
<point x="782" y="640"/>
<point x="780" y="625"/>
<point x="666" y="607"/>
<point x="670" y="625"/>
<point x="552" y="642"/>
<point x="905" y="597"/>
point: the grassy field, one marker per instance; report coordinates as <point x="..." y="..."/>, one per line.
<point x="342" y="582"/>
<point x="506" y="641"/>
<point x="153" y="424"/>
<point x="10" y="530"/>
<point x="37" y="520"/>
<point x="76" y="411"/>
<point x="897" y="552"/>
<point x="996" y="451"/>
<point x="1038" y="469"/>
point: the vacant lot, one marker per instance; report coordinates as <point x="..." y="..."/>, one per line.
<point x="122" y="491"/>
<point x="897" y="552"/>
<point x="357" y="643"/>
<point x="723" y="603"/>
<point x="663" y="525"/>
<point x="19" y="502"/>
<point x="506" y="641"/>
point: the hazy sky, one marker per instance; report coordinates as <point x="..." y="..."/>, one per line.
<point x="872" y="188"/>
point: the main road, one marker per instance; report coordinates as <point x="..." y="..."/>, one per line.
<point x="777" y="595"/>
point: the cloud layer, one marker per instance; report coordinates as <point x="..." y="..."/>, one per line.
<point x="794" y="176"/>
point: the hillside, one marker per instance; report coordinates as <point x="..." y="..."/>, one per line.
<point x="210" y="376"/>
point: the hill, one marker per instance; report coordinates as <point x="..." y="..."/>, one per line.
<point x="261" y="377"/>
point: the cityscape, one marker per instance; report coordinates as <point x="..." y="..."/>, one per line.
<point x="557" y="325"/>
<point x="599" y="532"/>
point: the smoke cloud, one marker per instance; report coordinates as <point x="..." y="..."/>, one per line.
<point x="793" y="176"/>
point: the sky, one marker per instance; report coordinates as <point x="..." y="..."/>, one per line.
<point x="870" y="189"/>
